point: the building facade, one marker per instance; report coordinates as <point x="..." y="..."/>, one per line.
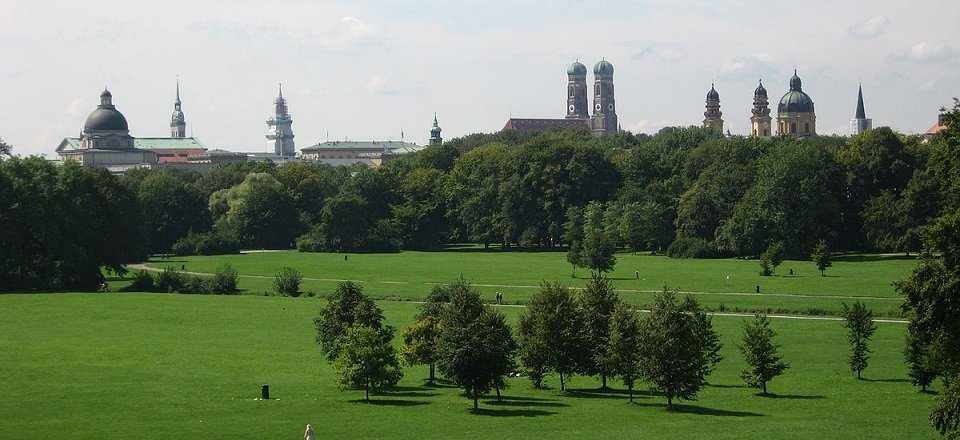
<point x="106" y="141"/>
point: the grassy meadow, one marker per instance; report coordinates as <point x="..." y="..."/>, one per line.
<point x="166" y="366"/>
<point x="721" y="284"/>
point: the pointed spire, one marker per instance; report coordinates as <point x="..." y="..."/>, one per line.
<point x="178" y="89"/>
<point x="281" y="90"/>
<point x="861" y="114"/>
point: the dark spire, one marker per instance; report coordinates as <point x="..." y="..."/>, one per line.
<point x="860" y="113"/>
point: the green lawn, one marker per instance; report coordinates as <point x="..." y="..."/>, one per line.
<point x="190" y="367"/>
<point x="721" y="284"/>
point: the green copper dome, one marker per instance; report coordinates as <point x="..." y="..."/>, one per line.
<point x="577" y="68"/>
<point x="603" y="68"/>
<point x="795" y="101"/>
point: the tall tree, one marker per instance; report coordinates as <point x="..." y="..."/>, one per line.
<point x="675" y="360"/>
<point x="623" y="347"/>
<point x="760" y="353"/>
<point x="476" y="348"/>
<point x="366" y="360"/>
<point x="598" y="245"/>
<point x="420" y="341"/>
<point x="347" y="307"/>
<point x="557" y="328"/>
<point x="573" y="237"/>
<point x="597" y="301"/>
<point x="821" y="256"/>
<point x="858" y="320"/>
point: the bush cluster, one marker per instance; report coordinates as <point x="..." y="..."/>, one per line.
<point x="206" y="243"/>
<point x="691" y="247"/>
<point x="223" y="282"/>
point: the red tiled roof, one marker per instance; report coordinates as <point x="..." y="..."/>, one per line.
<point x="544" y="124"/>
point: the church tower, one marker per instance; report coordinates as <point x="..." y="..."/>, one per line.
<point x="435" y="138"/>
<point x="795" y="115"/>
<point x="712" y="115"/>
<point x="760" y="121"/>
<point x="860" y="123"/>
<point x="178" y="125"/>
<point x="280" y="134"/>
<point x="577" y="91"/>
<point x="604" y="106"/>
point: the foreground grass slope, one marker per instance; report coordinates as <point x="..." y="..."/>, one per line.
<point x="179" y="366"/>
<point x="721" y="284"/>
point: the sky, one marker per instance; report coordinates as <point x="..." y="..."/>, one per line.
<point x="371" y="70"/>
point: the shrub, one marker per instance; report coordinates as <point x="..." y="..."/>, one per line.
<point x="224" y="281"/>
<point x="169" y="280"/>
<point x="691" y="247"/>
<point x="206" y="243"/>
<point x="311" y="241"/>
<point x="142" y="282"/>
<point x="287" y="282"/>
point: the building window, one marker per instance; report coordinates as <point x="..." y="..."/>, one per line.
<point x="806" y="127"/>
<point x="793" y="127"/>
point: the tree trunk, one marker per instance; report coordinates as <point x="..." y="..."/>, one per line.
<point x="432" y="377"/>
<point x="858" y="374"/>
<point x="764" y="383"/>
<point x="367" y="389"/>
<point x="476" y="397"/>
<point x="669" y="402"/>
<point x="574" y="274"/>
<point x="603" y="379"/>
<point x="498" y="393"/>
<point x="631" y="393"/>
<point x="561" y="381"/>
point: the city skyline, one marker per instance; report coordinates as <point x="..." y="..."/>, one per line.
<point x="369" y="70"/>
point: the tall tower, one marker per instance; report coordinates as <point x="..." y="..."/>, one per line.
<point x="435" y="138"/>
<point x="760" y="121"/>
<point x="604" y="106"/>
<point x="577" y="91"/>
<point x="712" y="115"/>
<point x="280" y="133"/>
<point x="860" y="123"/>
<point x="795" y="115"/>
<point x="178" y="125"/>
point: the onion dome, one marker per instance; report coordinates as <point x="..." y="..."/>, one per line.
<point x="106" y="117"/>
<point x="760" y="91"/>
<point x="712" y="95"/>
<point x="435" y="131"/>
<point x="603" y="68"/>
<point x="577" y="68"/>
<point x="795" y="101"/>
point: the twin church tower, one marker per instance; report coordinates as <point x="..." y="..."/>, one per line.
<point x="604" y="119"/>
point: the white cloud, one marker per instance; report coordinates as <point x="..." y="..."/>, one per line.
<point x="869" y="28"/>
<point x="379" y="85"/>
<point x="665" y="52"/>
<point x="925" y="52"/>
<point x="78" y="106"/>
<point x="747" y="66"/>
<point x="650" y="127"/>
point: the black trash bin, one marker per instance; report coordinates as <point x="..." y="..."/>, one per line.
<point x="758" y="289"/>
<point x="265" y="392"/>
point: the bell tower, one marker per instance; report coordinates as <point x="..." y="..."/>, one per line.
<point x="577" y="91"/>
<point x="604" y="105"/>
<point x="435" y="138"/>
<point x="760" y="121"/>
<point x="178" y="125"/>
<point x="712" y="115"/>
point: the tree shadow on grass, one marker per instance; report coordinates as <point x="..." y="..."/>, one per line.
<point x="512" y="412"/>
<point x="718" y="385"/>
<point x="702" y="411"/>
<point x="873" y="257"/>
<point x="885" y="380"/>
<point x="524" y="401"/>
<point x="404" y="392"/>
<point x="789" y="396"/>
<point x="609" y="393"/>
<point x="390" y="402"/>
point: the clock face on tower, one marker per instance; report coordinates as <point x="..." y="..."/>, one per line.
<point x="599" y="107"/>
<point x="610" y="107"/>
<point x="572" y="108"/>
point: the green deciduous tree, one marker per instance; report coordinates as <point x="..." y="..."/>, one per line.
<point x="675" y="359"/>
<point x="347" y="306"/>
<point x="573" y="237"/>
<point x="420" y="343"/>
<point x="597" y="302"/>
<point x="366" y="360"/>
<point x="821" y="256"/>
<point x="858" y="320"/>
<point x="760" y="353"/>
<point x="598" y="245"/>
<point x="623" y="347"/>
<point x="774" y="254"/>
<point x="557" y="328"/>
<point x="476" y="346"/>
<point x="287" y="282"/>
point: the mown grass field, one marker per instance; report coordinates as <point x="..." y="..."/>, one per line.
<point x="721" y="284"/>
<point x="167" y="366"/>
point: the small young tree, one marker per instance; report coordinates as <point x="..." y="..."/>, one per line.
<point x="760" y="353"/>
<point x="598" y="245"/>
<point x="225" y="280"/>
<point x="673" y="356"/>
<point x="623" y="346"/>
<point x="287" y="282"/>
<point x="597" y="301"/>
<point x="774" y="255"/>
<point x="556" y="327"/>
<point x="573" y="236"/>
<point x="420" y="341"/>
<point x="532" y="350"/>
<point x="366" y="360"/>
<point x="346" y="307"/>
<point x="858" y="320"/>
<point x="821" y="256"/>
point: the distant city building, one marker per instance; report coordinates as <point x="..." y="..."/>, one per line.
<point x="370" y="153"/>
<point x="760" y="119"/>
<point x="216" y="157"/>
<point x="712" y="117"/>
<point x="435" y="138"/>
<point x="860" y="123"/>
<point x="178" y="125"/>
<point x="938" y="127"/>
<point x="280" y="134"/>
<point x="604" y="119"/>
<point x="795" y="114"/>
<point x="106" y="141"/>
